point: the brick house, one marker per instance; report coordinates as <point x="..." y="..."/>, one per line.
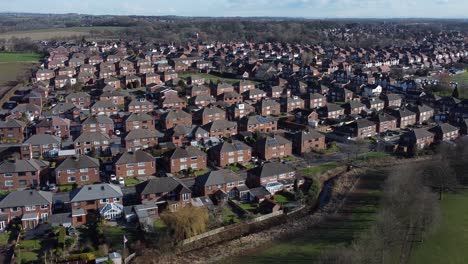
<point x="141" y="139"/>
<point x="12" y="130"/>
<point x="92" y="142"/>
<point x="220" y="88"/>
<point x="221" y="128"/>
<point x="392" y="100"/>
<point x="405" y="117"/>
<point x="176" y="117"/>
<point x="173" y="102"/>
<point x="445" y="132"/>
<point x="331" y="111"/>
<point x="209" y="114"/>
<point x="258" y="123"/>
<point x="56" y="126"/>
<point x="116" y="97"/>
<point x="416" y="139"/>
<point x="99" y="123"/>
<point x="31" y="207"/>
<point x="274" y="176"/>
<point x="81" y="100"/>
<point x="104" y="108"/>
<point x="24" y="173"/>
<point x="238" y="111"/>
<point x="275" y="147"/>
<point x="360" y="129"/>
<point x="166" y="191"/>
<point x="137" y="121"/>
<point x="353" y="107"/>
<point x="288" y="103"/>
<point x="230" y="98"/>
<point x="254" y="94"/>
<point x="90" y="201"/>
<point x="197" y="90"/>
<point x="140" y="106"/>
<point x="307" y="141"/>
<point x="243" y="86"/>
<point x="267" y="107"/>
<point x="374" y="103"/>
<point x="135" y="164"/>
<point x="78" y="170"/>
<point x="181" y="159"/>
<point x="337" y="94"/>
<point x="315" y="100"/>
<point x="384" y="122"/>
<point x="44" y="145"/>
<point x="202" y="100"/>
<point x="423" y="113"/>
<point x="219" y="180"/>
<point x="228" y="153"/>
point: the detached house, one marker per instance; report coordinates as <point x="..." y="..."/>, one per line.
<point x="80" y="170"/>
<point x="405" y="117"/>
<point x="415" y="139"/>
<point x="184" y="158"/>
<point x="384" y="122"/>
<point x="423" y="113"/>
<point x="135" y="164"/>
<point x="228" y="153"/>
<point x="288" y="104"/>
<point x="31" y="207"/>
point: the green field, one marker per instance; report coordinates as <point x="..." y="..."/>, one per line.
<point x="50" y="33"/>
<point x="19" y="57"/>
<point x="449" y="243"/>
<point x="352" y="221"/>
<point x="316" y="170"/>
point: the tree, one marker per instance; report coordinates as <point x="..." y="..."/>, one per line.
<point x="440" y="176"/>
<point x="187" y="222"/>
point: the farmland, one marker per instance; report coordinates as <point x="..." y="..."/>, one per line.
<point x="51" y="33"/>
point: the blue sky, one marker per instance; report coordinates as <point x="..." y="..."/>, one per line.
<point x="286" y="8"/>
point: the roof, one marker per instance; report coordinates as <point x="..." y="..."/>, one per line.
<point x="142" y="133"/>
<point x="219" y="125"/>
<point x="43" y="139"/>
<point x="273" y="168"/>
<point x="226" y="146"/>
<point x="274" y="141"/>
<point x="99" y="119"/>
<point x="177" y="114"/>
<point x="26" y="198"/>
<point x="134" y="157"/>
<point x="445" y="128"/>
<point x="54" y="121"/>
<point x="420" y="133"/>
<point x="187" y="152"/>
<point x="92" y="136"/>
<point x="256" y="119"/>
<point x="96" y="192"/>
<point x="216" y="177"/>
<point x="162" y="185"/>
<point x="78" y="163"/>
<point x="361" y="123"/>
<point x="12" y="123"/>
<point x="138" y="117"/>
<point x="308" y="135"/>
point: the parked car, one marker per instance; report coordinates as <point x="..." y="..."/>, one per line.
<point x="52" y="187"/>
<point x="121" y="181"/>
<point x="113" y="178"/>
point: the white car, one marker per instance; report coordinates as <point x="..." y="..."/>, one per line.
<point x="117" y="132"/>
<point x="113" y="177"/>
<point x="121" y="181"/>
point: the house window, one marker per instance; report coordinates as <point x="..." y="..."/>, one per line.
<point x="84" y="170"/>
<point x="8" y="183"/>
<point x="141" y="164"/>
<point x="141" y="172"/>
<point x="116" y="199"/>
<point x="30" y="208"/>
<point x="130" y="173"/>
<point x="23" y="182"/>
<point x="186" y="196"/>
<point x="8" y="174"/>
<point x="84" y="178"/>
<point x="71" y="171"/>
<point x="44" y="206"/>
<point x="71" y="179"/>
<point x="105" y="200"/>
<point x="130" y="165"/>
<point x="14" y="209"/>
<point x="231" y="184"/>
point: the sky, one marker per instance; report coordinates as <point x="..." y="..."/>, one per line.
<point x="229" y="8"/>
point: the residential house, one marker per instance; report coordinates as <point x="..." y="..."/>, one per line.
<point x="445" y="132"/>
<point x="384" y="122"/>
<point x="258" y="123"/>
<point x="315" y="100"/>
<point x="176" y="117"/>
<point x="168" y="191"/>
<point x="24" y="173"/>
<point x="221" y="128"/>
<point x="267" y="107"/>
<point x="12" y="131"/>
<point x="221" y="180"/>
<point x="42" y="145"/>
<point x="56" y="126"/>
<point x="138" y="120"/>
<point x="141" y="138"/>
<point x="209" y="114"/>
<point x="273" y="176"/>
<point x="288" y="103"/>
<point x="228" y="153"/>
<point x="404" y="116"/>
<point x="78" y="170"/>
<point x="92" y="143"/>
<point x="135" y="164"/>
<point x="183" y="158"/>
<point x="275" y="147"/>
<point x="99" y="123"/>
<point x="307" y="141"/>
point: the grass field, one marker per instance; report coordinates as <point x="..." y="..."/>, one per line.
<point x="352" y="221"/>
<point x="42" y="34"/>
<point x="10" y="70"/>
<point x="19" y="57"/>
<point x="449" y="243"/>
<point x="315" y="170"/>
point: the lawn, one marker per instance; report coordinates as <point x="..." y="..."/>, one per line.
<point x="30" y="244"/>
<point x="113" y="236"/>
<point x="353" y="220"/>
<point x="249" y="207"/>
<point x="19" y="57"/>
<point x="316" y="170"/>
<point x="159" y="225"/>
<point x="233" y="168"/>
<point x="229" y="217"/>
<point x="10" y="70"/>
<point x="211" y="77"/>
<point x="27" y="257"/>
<point x="375" y="155"/>
<point x="449" y="243"/>
<point x="131" y="181"/>
<point x="281" y="199"/>
<point x="65" y="188"/>
<point x="4" y="238"/>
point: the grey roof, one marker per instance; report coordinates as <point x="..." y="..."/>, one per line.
<point x="78" y="163"/>
<point x="134" y="157"/>
<point x="421" y="108"/>
<point x="53" y="121"/>
<point x="26" y="198"/>
<point x="99" y="119"/>
<point x="403" y="112"/>
<point x="104" y="104"/>
<point x="139" y="102"/>
<point x="274" y="141"/>
<point x="256" y="119"/>
<point x="361" y="123"/>
<point x="177" y="114"/>
<point x="221" y="176"/>
<point x="211" y="110"/>
<point x="43" y="139"/>
<point x="187" y="152"/>
<point x="62" y="108"/>
<point x="92" y="136"/>
<point x="219" y="125"/>
<point x="267" y="102"/>
<point x="382" y="117"/>
<point x="96" y="192"/>
<point x="273" y="168"/>
<point x="142" y="133"/>
<point x="308" y="135"/>
<point x="60" y="219"/>
<point x="354" y="104"/>
<point x="445" y="128"/>
<point x="420" y="133"/>
<point x="77" y="95"/>
<point x="333" y="107"/>
<point x="138" y="117"/>
<point x="26" y="108"/>
<point x="162" y="185"/>
<point x="226" y="146"/>
<point x="12" y="123"/>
